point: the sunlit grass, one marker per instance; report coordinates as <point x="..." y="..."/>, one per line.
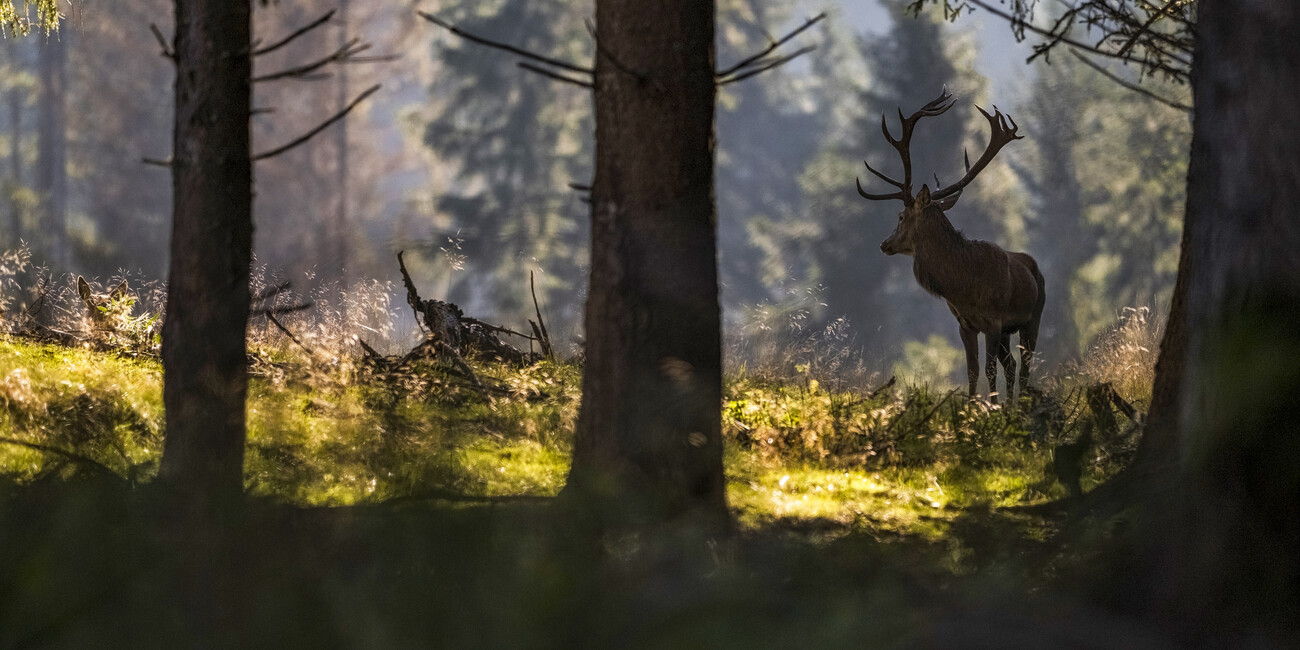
<point x="525" y="467"/>
<point x="801" y="455"/>
<point x="104" y="407"/>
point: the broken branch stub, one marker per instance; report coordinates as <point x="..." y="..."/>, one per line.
<point x="446" y="325"/>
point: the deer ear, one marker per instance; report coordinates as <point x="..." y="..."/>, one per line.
<point x="83" y="288"/>
<point x="118" y="292"/>
<point x="948" y="203"/>
<point x="923" y="197"/>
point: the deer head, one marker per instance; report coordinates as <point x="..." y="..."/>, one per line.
<point x="106" y="309"/>
<point x="916" y="207"/>
<point x="901" y="241"/>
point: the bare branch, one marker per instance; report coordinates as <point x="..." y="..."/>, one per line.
<point x="609" y="56"/>
<point x="502" y="46"/>
<point x="886" y="386"/>
<point x="412" y="294"/>
<point x="279" y="311"/>
<point x="494" y="328"/>
<point x="755" y="59"/>
<point x="272" y="291"/>
<point x="157" y="162"/>
<point x="276" y="322"/>
<point x="1130" y="85"/>
<point x="162" y="42"/>
<point x="1175" y="16"/>
<point x="381" y="58"/>
<point x="323" y="125"/>
<point x="584" y="189"/>
<point x="1059" y="36"/>
<point x="370" y="352"/>
<point x="299" y="32"/>
<point x="1145" y="28"/>
<point x="1128" y="24"/>
<point x="766" y="66"/>
<point x="464" y="366"/>
<point x="349" y="49"/>
<point x="555" y="75"/>
<point x="539" y="328"/>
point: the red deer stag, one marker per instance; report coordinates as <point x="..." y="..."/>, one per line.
<point x="990" y="291"/>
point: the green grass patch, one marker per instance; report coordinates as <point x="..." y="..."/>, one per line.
<point x="908" y="461"/>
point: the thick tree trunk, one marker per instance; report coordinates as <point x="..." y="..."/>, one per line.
<point x="648" y="442"/>
<point x="1236" y="491"/>
<point x="52" y="165"/>
<point x="205" y="379"/>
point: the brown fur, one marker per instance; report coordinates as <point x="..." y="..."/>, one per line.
<point x="106" y="310"/>
<point x="989" y="290"/>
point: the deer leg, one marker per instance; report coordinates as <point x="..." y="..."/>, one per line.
<point x="970" y="339"/>
<point x="1028" y="340"/>
<point x="991" y="362"/>
<point x="1008" y="362"/>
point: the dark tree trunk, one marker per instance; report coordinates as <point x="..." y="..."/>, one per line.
<point x="648" y="442"/>
<point x="52" y="165"/>
<point x="205" y="379"/>
<point x="1236" y="487"/>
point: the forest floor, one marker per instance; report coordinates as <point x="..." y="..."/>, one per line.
<point x="406" y="506"/>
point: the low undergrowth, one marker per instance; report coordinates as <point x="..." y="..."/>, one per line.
<point x="906" y="459"/>
<point x="808" y="436"/>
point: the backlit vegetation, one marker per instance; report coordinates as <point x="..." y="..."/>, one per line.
<point x="808" y="443"/>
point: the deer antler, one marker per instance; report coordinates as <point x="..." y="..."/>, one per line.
<point x="1003" y="131"/>
<point x="902" y="145"/>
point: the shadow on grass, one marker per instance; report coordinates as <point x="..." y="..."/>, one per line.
<point x="93" y="563"/>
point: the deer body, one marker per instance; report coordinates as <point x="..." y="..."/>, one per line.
<point x="989" y="290"/>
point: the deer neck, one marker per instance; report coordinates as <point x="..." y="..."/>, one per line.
<point x="938" y="258"/>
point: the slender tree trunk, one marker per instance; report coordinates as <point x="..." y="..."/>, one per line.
<point x="648" y="443"/>
<point x="205" y="379"/>
<point x="1236" y="486"/>
<point x="51" y="169"/>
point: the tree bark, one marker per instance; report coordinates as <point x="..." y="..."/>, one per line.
<point x="648" y="444"/>
<point x="204" y="358"/>
<point x="1236" y="488"/>
<point x="52" y="165"/>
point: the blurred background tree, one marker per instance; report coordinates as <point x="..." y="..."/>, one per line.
<point x="465" y="161"/>
<point x="510" y="143"/>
